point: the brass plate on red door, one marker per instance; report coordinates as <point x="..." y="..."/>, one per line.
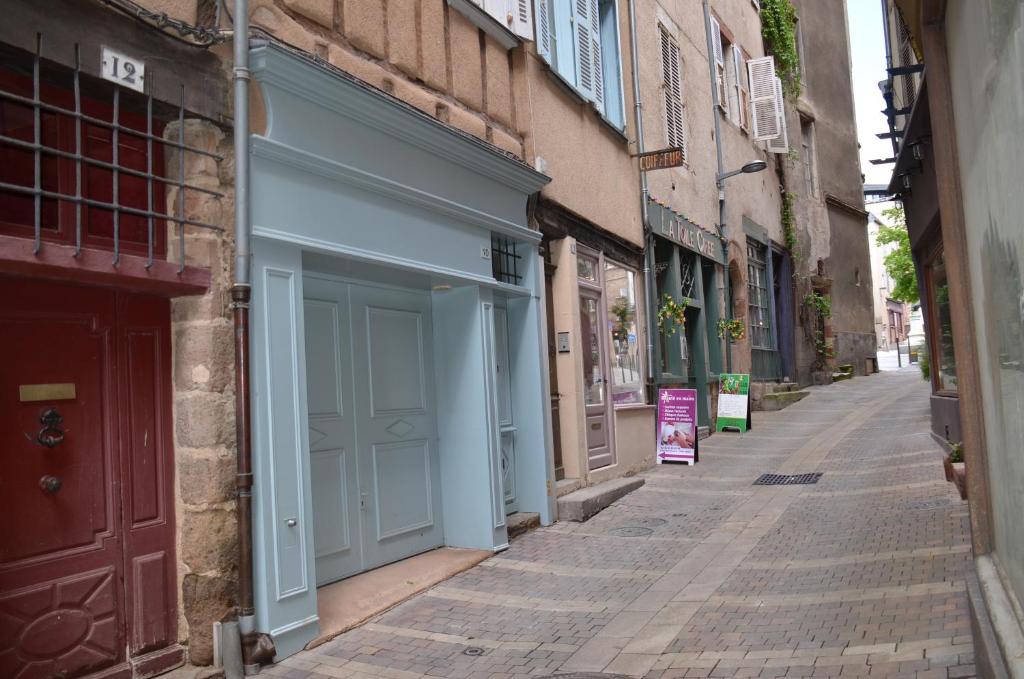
<point x="29" y="393"/>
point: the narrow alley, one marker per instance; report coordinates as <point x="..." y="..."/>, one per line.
<point x="700" y="573"/>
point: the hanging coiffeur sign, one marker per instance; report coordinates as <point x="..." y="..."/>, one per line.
<point x="680" y="230"/>
<point x="734" y="402"/>
<point x="677" y="425"/>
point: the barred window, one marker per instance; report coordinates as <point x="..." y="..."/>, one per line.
<point x="758" y="289"/>
<point x="82" y="162"/>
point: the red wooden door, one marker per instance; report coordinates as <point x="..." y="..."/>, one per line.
<point x="86" y="559"/>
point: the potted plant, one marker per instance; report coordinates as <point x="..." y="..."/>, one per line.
<point x="956" y="472"/>
<point x="732" y="328"/>
<point x="672" y="314"/>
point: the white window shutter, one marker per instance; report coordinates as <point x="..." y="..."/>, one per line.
<point x="543" y="28"/>
<point x="738" y="74"/>
<point x="719" y="56"/>
<point x="780" y="144"/>
<point x="763" y="98"/>
<point x="522" y="18"/>
<point x="595" y="56"/>
<point x="584" y="47"/>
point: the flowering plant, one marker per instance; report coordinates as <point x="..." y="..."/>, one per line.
<point x="732" y="328"/>
<point x="671" y="314"/>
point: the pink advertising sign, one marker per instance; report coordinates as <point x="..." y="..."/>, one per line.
<point x="677" y="425"/>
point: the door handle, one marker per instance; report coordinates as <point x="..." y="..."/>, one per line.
<point x="51" y="435"/>
<point x="50" y="484"/>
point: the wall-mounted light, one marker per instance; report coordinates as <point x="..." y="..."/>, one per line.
<point x="906" y="182"/>
<point x="918" y="151"/>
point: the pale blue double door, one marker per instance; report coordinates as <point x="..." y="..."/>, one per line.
<point x="373" y="444"/>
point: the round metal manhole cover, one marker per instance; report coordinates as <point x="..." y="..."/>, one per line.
<point x="473" y="650"/>
<point x="631" y="532"/>
<point x="584" y="675"/>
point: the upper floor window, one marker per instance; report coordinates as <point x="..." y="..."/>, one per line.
<point x="504" y="20"/>
<point x="720" y="44"/>
<point x="738" y="87"/>
<point x="671" y="83"/>
<point x="580" y="40"/>
<point x="810" y="165"/>
<point x="89" y="191"/>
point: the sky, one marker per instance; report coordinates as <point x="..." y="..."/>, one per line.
<point x="867" y="46"/>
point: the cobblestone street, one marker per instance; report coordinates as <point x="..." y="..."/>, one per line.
<point x="700" y="573"/>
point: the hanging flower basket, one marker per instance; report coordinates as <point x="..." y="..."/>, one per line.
<point x="731" y="329"/>
<point x="672" y="315"/>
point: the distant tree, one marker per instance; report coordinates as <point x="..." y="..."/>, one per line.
<point x="899" y="264"/>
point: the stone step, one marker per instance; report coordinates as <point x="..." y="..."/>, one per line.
<point x="781" y="399"/>
<point x="839" y="377"/>
<point x="521" y="522"/>
<point x="846" y="369"/>
<point x="566" y="486"/>
<point x="582" y="504"/>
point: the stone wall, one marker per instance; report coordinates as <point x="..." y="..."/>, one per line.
<point x="204" y="396"/>
<point x="421" y="51"/>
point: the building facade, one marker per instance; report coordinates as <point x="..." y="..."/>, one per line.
<point x="892" y="318"/>
<point x="955" y="171"/>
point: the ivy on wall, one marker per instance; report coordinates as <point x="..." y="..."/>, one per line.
<point x="788" y="218"/>
<point x="778" y="29"/>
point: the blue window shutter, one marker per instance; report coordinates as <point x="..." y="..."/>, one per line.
<point x="595" y="56"/>
<point x="542" y="25"/>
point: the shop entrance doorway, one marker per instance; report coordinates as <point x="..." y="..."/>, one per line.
<point x="372" y="425"/>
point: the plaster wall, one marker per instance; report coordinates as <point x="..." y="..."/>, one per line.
<point x="985" y="43"/>
<point x="421" y="51"/>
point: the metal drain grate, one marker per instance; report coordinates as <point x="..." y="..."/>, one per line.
<point x="787" y="479"/>
<point x="631" y="532"/>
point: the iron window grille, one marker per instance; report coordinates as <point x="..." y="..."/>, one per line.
<point x="505" y="260"/>
<point x="73" y="149"/>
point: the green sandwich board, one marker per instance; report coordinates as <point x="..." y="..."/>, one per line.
<point x="734" y="402"/>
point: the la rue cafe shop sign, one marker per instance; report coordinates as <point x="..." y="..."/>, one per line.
<point x="682" y="231"/>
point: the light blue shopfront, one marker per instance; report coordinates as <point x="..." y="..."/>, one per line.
<point x="398" y="384"/>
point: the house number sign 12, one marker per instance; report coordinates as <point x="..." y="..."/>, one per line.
<point x="122" y="69"/>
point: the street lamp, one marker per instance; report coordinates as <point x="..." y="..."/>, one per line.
<point x="750" y="168"/>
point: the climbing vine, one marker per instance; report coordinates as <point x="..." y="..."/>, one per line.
<point x="778" y="29"/>
<point x="788" y="218"/>
<point x="819" y="308"/>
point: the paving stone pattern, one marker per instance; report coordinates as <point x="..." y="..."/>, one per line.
<point x="861" y="574"/>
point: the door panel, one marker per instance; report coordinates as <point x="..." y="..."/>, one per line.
<point x="61" y="607"/>
<point x="506" y="418"/>
<point x="333" y="468"/>
<point x="401" y="488"/>
<point x="396" y="430"/>
<point x="394" y="348"/>
<point x="600" y="452"/>
<point x="147" y="462"/>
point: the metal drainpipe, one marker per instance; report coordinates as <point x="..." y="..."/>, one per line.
<point x="649" y="284"/>
<point x="719" y="182"/>
<point x="257" y="648"/>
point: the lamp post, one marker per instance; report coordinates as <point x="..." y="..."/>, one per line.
<point x="750" y="168"/>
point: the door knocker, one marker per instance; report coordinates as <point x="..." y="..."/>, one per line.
<point x="51" y="435"/>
